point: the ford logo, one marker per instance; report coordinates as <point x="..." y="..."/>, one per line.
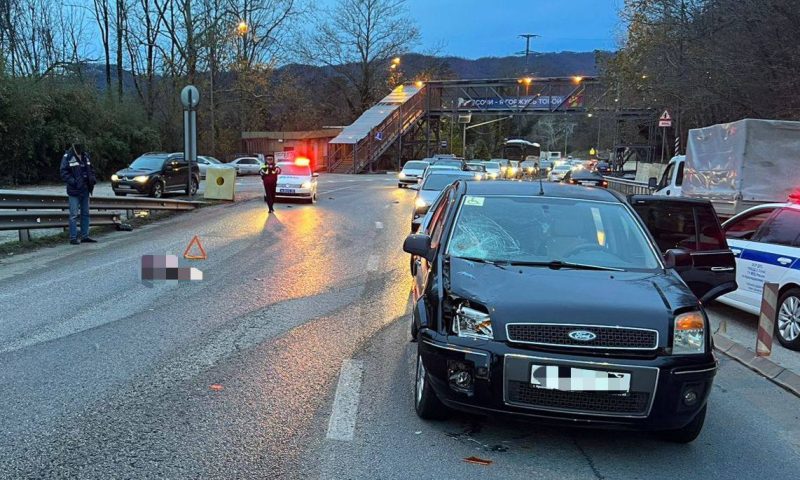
<point x="582" y="335"/>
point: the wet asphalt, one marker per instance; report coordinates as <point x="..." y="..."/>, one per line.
<point x="235" y="376"/>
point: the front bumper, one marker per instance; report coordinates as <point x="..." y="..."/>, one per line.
<point x="408" y="180"/>
<point x="293" y="192"/>
<point x="129" y="186"/>
<point x="501" y="384"/>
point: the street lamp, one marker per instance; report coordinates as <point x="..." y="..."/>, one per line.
<point x="242" y="28"/>
<point x="577" y="79"/>
<point x="396" y="61"/>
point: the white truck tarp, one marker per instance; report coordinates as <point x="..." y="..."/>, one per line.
<point x="749" y="160"/>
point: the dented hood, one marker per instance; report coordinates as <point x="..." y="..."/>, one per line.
<point x="543" y="295"/>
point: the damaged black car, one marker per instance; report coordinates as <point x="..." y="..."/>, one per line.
<point x="553" y="302"/>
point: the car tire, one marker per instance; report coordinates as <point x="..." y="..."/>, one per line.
<point x="689" y="432"/>
<point x="426" y="403"/>
<point x="194" y="187"/>
<point x="787" y="319"/>
<point x="157" y="191"/>
<point x="120" y="194"/>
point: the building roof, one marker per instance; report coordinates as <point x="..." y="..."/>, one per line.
<point x="374" y="116"/>
<point x="303" y="135"/>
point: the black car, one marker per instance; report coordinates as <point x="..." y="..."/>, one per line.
<point x="603" y="168"/>
<point x="585" y="178"/>
<point x="155" y="174"/>
<point x="552" y="302"/>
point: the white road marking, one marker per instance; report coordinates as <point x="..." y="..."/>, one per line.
<point x="379" y="225"/>
<point x="335" y="190"/>
<point x="373" y="263"/>
<point x="387" y="205"/>
<point x="342" y="423"/>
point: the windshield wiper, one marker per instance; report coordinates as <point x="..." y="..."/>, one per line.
<point x="558" y="264"/>
<point x="496" y="263"/>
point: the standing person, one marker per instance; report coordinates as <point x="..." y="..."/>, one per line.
<point x="77" y="172"/>
<point x="269" y="175"/>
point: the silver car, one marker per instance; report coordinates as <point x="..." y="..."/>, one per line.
<point x="557" y="173"/>
<point x="431" y="186"/>
<point x="247" y="165"/>
<point x="411" y="173"/>
<point x="204" y="161"/>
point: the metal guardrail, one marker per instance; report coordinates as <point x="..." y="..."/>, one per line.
<point x="31" y="220"/>
<point x="628" y="187"/>
<point x="50" y="211"/>
<point x="10" y="199"/>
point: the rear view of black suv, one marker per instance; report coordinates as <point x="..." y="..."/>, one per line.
<point x="155" y="174"/>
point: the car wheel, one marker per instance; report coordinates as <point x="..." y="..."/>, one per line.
<point x="158" y="189"/>
<point x="689" y="432"/>
<point x="427" y="405"/>
<point x="787" y="325"/>
<point x="193" y="188"/>
<point x="120" y="194"/>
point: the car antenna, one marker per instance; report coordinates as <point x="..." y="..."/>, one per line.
<point x="541" y="187"/>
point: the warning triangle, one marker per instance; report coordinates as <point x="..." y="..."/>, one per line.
<point x="665" y="116"/>
<point x="190" y="256"/>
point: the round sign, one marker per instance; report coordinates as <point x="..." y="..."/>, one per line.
<point x="187" y="92"/>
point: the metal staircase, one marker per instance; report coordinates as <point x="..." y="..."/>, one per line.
<point x="361" y="144"/>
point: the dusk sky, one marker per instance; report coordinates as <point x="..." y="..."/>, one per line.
<point x="480" y="28"/>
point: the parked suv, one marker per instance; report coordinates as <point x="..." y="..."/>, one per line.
<point x="155" y="174"/>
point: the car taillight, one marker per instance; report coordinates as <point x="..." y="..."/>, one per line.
<point x="604" y="183"/>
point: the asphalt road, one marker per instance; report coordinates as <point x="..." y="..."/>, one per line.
<point x="237" y="376"/>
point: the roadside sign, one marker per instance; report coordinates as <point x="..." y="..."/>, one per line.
<point x="443" y="144"/>
<point x="379" y="136"/>
<point x="665" y="121"/>
<point x="190" y="97"/>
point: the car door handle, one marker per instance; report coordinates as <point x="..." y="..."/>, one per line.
<point x="722" y="269"/>
<point x="784" y="260"/>
<point x="736" y="251"/>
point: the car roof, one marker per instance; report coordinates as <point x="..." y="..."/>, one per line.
<point x="534" y="188"/>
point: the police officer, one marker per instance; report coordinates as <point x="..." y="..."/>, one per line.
<point x="77" y="172"/>
<point x="269" y="175"/>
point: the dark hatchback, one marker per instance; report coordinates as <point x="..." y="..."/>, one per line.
<point x="155" y="174"/>
<point x="585" y="178"/>
<point x="553" y="302"/>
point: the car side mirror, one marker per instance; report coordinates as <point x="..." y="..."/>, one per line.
<point x="678" y="259"/>
<point x="652" y="183"/>
<point x="419" y="244"/>
<point x="315" y="175"/>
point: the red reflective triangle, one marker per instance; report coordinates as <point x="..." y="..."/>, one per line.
<point x="189" y="256"/>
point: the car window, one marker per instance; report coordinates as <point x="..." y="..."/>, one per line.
<point x="746" y="225"/>
<point x="782" y="229"/>
<point x="437" y="220"/>
<point x="710" y="236"/>
<point x="666" y="177"/>
<point x="414" y="165"/>
<point x="672" y="226"/>
<point x="546" y="229"/>
<point x="148" y="162"/>
<point x="439" y="181"/>
<point x="679" y="177"/>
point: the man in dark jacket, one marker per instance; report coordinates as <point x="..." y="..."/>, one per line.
<point x="269" y="175"/>
<point x="78" y="174"/>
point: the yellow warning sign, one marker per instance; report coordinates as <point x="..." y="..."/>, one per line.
<point x="187" y="254"/>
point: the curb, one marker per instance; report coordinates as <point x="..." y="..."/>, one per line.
<point x="781" y="376"/>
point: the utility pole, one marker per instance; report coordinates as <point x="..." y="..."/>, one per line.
<point x="527" y="52"/>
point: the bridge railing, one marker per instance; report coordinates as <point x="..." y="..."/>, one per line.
<point x="628" y="187"/>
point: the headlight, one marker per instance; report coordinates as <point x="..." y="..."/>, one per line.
<point x="513" y="170"/>
<point x="141" y="178"/>
<point x="503" y="169"/>
<point x="469" y="322"/>
<point x="478" y="176"/>
<point x="402" y="175"/>
<point x="115" y="178"/>
<point x="420" y="203"/>
<point x="530" y="169"/>
<point x="493" y="175"/>
<point x="690" y="334"/>
<point x="306" y="185"/>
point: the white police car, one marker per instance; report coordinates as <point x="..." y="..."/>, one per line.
<point x="766" y="242"/>
<point x="296" y="180"/>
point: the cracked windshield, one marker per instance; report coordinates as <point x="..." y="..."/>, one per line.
<point x="392" y="239"/>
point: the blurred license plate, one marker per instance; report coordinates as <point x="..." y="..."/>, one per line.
<point x="286" y="190"/>
<point x="587" y="183"/>
<point x="570" y="379"/>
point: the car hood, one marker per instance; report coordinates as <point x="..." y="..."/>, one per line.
<point x="543" y="295"/>
<point x="133" y="172"/>
<point x="429" y="196"/>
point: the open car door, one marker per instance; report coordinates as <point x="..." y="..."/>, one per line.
<point x="691" y="225"/>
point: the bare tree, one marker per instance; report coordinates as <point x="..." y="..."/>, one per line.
<point x="357" y="39"/>
<point x="102" y="14"/>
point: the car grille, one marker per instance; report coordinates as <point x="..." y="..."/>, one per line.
<point x="606" y="337"/>
<point x="635" y="403"/>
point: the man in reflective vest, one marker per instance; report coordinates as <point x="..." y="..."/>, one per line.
<point x="269" y="176"/>
<point x="77" y="172"/>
